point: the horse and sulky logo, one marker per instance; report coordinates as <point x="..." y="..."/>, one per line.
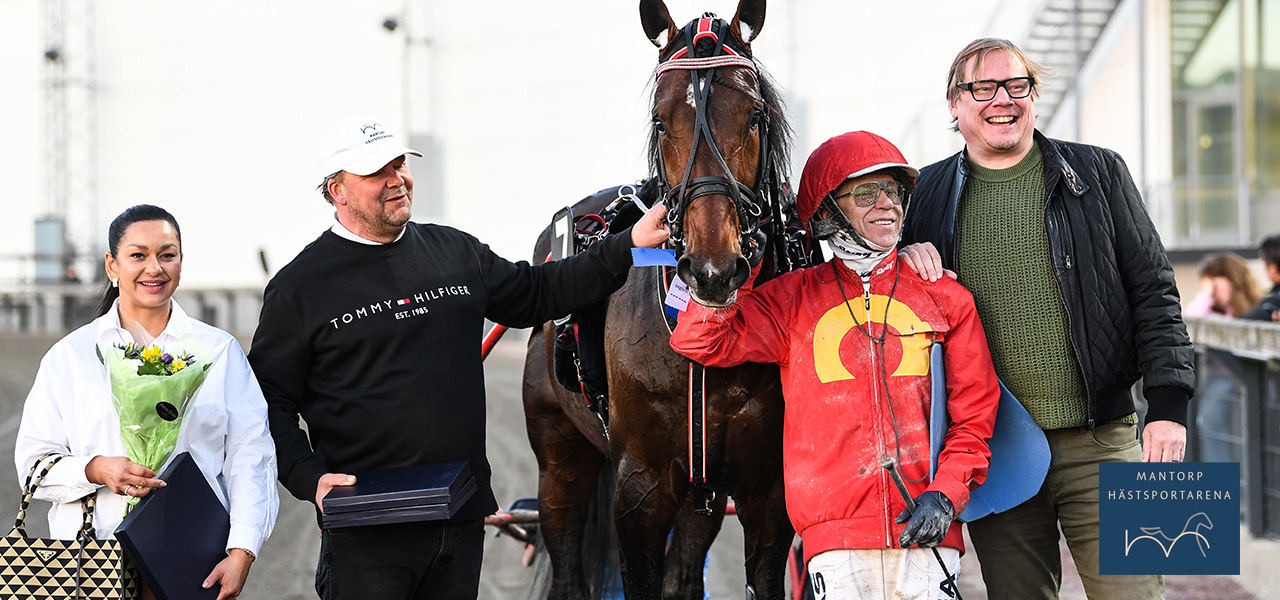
<point x="374" y="132"/>
<point x="1169" y="518"/>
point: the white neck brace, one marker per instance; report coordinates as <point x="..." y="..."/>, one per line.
<point x="858" y="254"/>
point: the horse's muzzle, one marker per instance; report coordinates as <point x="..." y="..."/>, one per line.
<point x="714" y="282"/>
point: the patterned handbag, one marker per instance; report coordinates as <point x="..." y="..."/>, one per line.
<point x="56" y="569"/>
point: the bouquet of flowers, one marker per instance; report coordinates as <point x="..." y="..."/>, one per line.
<point x="150" y="388"/>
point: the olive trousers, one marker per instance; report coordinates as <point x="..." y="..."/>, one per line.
<point x="1019" y="548"/>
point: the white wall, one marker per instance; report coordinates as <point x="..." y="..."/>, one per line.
<point x="214" y="111"/>
<point x="21" y="125"/>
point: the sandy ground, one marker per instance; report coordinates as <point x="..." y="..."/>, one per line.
<point x="285" y="570"/>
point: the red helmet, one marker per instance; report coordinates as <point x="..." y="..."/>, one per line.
<point x="842" y="157"/>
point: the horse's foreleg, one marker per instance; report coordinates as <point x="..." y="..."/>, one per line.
<point x="567" y="475"/>
<point x="687" y="553"/>
<point x="644" y="510"/>
<point x="568" y="469"/>
<point x="767" y="537"/>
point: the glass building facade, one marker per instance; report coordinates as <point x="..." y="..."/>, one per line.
<point x="1225" y="69"/>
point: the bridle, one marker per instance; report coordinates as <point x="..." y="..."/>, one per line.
<point x="750" y="203"/>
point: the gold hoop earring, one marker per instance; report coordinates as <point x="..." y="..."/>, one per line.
<point x="115" y="283"/>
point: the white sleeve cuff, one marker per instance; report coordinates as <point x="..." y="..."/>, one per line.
<point x="246" y="537"/>
<point x="66" y="481"/>
<point x="59" y="494"/>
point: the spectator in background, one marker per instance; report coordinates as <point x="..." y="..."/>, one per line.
<point x="1227" y="287"/>
<point x="1268" y="309"/>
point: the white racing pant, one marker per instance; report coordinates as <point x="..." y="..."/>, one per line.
<point x="889" y="574"/>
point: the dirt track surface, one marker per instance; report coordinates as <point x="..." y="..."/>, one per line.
<point x="285" y="569"/>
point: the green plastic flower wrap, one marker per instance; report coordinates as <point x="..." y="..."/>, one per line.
<point x="150" y="388"/>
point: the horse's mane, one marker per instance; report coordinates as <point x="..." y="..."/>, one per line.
<point x="779" y="130"/>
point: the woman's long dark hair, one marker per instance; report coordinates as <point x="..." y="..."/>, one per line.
<point x="131" y="215"/>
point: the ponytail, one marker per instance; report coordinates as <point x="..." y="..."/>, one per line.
<point x="109" y="295"/>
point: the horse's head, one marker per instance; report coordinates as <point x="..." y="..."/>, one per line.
<point x="710" y="143"/>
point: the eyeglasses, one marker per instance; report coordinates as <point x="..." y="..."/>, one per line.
<point x="866" y="194"/>
<point x="985" y="90"/>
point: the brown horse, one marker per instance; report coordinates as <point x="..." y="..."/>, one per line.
<point x="719" y="153"/>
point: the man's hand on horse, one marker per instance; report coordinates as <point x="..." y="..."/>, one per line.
<point x="925" y="261"/>
<point x="329" y="481"/>
<point x="651" y="230"/>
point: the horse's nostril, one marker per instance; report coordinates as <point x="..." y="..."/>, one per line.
<point x="741" y="272"/>
<point x="684" y="270"/>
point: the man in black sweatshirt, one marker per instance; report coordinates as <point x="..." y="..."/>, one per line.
<point x="372" y="335"/>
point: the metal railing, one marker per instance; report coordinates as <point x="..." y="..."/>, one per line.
<point x="1235" y="414"/>
<point x="60" y="308"/>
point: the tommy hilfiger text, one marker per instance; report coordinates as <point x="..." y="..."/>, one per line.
<point x="402" y="307"/>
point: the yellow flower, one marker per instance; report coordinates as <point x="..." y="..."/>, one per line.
<point x="151" y="354"/>
<point x="178" y="364"/>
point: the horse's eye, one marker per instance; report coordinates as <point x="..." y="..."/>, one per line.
<point x="659" y="126"/>
<point x="756" y="117"/>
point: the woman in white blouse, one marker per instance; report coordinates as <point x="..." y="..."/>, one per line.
<point x="69" y="410"/>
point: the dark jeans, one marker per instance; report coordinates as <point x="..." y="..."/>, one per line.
<point x="403" y="561"/>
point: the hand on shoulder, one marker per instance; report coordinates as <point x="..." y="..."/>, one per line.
<point x="923" y="260"/>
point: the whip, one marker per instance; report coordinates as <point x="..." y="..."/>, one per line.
<point x="891" y="467"/>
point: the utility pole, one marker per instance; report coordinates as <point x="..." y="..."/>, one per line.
<point x="67" y="229"/>
<point x="419" y="111"/>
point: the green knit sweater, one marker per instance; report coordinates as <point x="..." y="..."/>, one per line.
<point x="1003" y="258"/>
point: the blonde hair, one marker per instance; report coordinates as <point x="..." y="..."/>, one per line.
<point x="980" y="48"/>
<point x="1244" y="290"/>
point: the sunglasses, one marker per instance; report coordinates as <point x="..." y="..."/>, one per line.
<point x="866" y="194"/>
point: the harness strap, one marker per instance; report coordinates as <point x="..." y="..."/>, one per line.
<point x="706" y="62"/>
<point x="698" y="439"/>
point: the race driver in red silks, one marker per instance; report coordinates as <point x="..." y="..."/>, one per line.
<point x="852" y="337"/>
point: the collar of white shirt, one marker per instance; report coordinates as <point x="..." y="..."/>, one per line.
<point x="111" y="332"/>
<point x="344" y="233"/>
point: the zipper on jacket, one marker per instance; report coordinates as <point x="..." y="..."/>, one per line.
<point x="1066" y="308"/>
<point x="1058" y="233"/>
<point x="963" y="174"/>
<point x="879" y="413"/>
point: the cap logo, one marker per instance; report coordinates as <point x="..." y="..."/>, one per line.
<point x="375" y="132"/>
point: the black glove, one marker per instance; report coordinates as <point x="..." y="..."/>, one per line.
<point x="929" y="524"/>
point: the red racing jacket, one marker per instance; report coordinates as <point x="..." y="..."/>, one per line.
<point x="849" y="397"/>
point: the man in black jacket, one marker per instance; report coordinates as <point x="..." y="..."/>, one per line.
<point x="372" y="335"/>
<point x="1268" y="308"/>
<point x="1078" y="302"/>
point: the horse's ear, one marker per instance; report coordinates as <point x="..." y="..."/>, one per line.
<point x="749" y="19"/>
<point x="657" y="22"/>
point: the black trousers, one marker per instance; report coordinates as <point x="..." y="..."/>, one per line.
<point x="403" y="561"/>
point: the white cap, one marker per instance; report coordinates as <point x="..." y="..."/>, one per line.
<point x="360" y="145"/>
